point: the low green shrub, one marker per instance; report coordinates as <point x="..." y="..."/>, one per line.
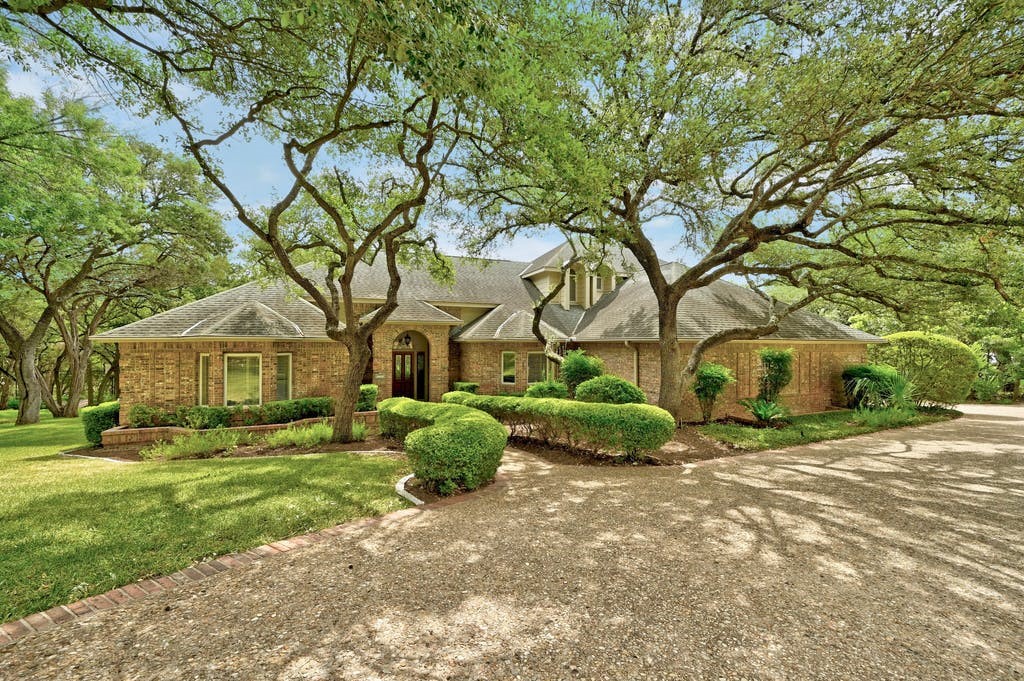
<point x="552" y="389"/>
<point x="776" y="373"/>
<point x="367" y="397"/>
<point x="13" y="403"/>
<point x="765" y="412"/>
<point x="300" y="436"/>
<point x="99" y="418"/>
<point x="632" y="429"/>
<point x="892" y="417"/>
<point x="450" y="446"/>
<point x="466" y="386"/>
<point x="875" y="375"/>
<point x="708" y="384"/>
<point x="208" y="417"/>
<point x="608" y="389"/>
<point x="202" y="445"/>
<point x="941" y="368"/>
<point x="577" y="367"/>
<point x="989" y="384"/>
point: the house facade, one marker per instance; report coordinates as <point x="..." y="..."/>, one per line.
<point x="263" y="341"/>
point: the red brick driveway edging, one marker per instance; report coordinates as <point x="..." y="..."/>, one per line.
<point x="11" y="631"/>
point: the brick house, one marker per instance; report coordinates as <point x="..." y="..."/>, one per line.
<point x="263" y="341"/>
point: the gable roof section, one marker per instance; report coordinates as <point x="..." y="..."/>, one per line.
<point x="418" y="311"/>
<point x="632" y="314"/>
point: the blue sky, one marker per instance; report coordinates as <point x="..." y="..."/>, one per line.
<point x="255" y="170"/>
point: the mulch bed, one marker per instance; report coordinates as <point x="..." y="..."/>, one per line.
<point x="371" y="443"/>
<point x="416" y="488"/>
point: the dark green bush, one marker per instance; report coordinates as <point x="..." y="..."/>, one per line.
<point x="99" y="418"/>
<point x="632" y="429"/>
<point x="367" y="397"/>
<point x="142" y="416"/>
<point x="941" y="368"/>
<point x="13" y="403"/>
<point x="776" y="373"/>
<point x="206" y="417"/>
<point x="708" y="383"/>
<point x="610" y="390"/>
<point x="200" y="417"/>
<point x="577" y="367"/>
<point x="450" y="446"/>
<point x="553" y="389"/>
<point x="875" y="375"/>
<point x="466" y="386"/>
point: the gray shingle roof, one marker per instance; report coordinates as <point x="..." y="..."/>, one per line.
<point x="276" y="310"/>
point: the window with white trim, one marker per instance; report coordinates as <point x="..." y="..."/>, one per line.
<point x="536" y="367"/>
<point x="508" y="367"/>
<point x="243" y="377"/>
<point x="284" y="376"/>
<point x="203" y="380"/>
<point x="573" y="295"/>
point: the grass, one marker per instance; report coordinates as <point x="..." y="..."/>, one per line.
<point x="815" y="428"/>
<point x="70" y="528"/>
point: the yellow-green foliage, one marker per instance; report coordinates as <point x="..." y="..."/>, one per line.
<point x="450" y="447"/>
<point x="632" y="429"/>
<point x="941" y="368"/>
<point x="201" y="445"/>
<point x="311" y="435"/>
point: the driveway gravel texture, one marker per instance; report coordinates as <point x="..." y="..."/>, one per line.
<point x="897" y="555"/>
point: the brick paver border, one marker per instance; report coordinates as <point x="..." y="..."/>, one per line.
<point x="11" y="632"/>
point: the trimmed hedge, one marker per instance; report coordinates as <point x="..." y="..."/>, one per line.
<point x="367" y="397"/>
<point x="450" y="446"/>
<point x="205" y="418"/>
<point x="466" y="386"/>
<point x="555" y="389"/>
<point x="610" y="390"/>
<point x="633" y="429"/>
<point x="941" y="368"/>
<point x="577" y="367"/>
<point x="99" y="418"/>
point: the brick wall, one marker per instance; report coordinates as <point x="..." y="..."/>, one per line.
<point x="816" y="384"/>
<point x="481" y="363"/>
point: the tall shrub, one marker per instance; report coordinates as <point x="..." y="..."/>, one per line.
<point x="610" y="390"/>
<point x="941" y="368"/>
<point x="776" y="373"/>
<point x="577" y="367"/>
<point x="708" y="383"/>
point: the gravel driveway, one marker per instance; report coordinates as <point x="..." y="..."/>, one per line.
<point x="896" y="555"/>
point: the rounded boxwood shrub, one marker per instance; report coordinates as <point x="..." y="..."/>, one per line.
<point x="99" y="418"/>
<point x="630" y="429"/>
<point x="610" y="390"/>
<point x="941" y="368"/>
<point x="708" y="383"/>
<point x="554" y="389"/>
<point x="577" y="367"/>
<point x="450" y="446"/>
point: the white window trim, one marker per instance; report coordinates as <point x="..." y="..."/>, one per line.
<point x="598" y="283"/>
<point x="544" y="373"/>
<point x="291" y="374"/>
<point x="225" y="378"/>
<point x="515" y="368"/>
<point x="574" y="287"/>
<point x="199" y="379"/>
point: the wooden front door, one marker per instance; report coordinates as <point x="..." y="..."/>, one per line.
<point x="402" y="383"/>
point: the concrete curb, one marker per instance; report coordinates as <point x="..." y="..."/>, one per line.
<point x="400" y="488"/>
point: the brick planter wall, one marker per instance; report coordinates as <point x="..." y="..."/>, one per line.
<point x="121" y="436"/>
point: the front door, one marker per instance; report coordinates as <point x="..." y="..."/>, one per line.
<point x="402" y="383"/>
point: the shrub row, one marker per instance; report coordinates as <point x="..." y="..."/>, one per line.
<point x="99" y="418"/>
<point x="466" y="386"/>
<point x="555" y="389"/>
<point x="633" y="429"/>
<point x="450" y="446"/>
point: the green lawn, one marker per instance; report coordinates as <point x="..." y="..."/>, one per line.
<point x="810" y="428"/>
<point x="70" y="528"/>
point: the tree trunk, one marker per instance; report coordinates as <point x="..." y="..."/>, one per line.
<point x="670" y="395"/>
<point x="79" y="360"/>
<point x="348" y="393"/>
<point x="30" y="390"/>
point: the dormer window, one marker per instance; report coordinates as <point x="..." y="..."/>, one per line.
<point x="573" y="297"/>
<point x="598" y="283"/>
